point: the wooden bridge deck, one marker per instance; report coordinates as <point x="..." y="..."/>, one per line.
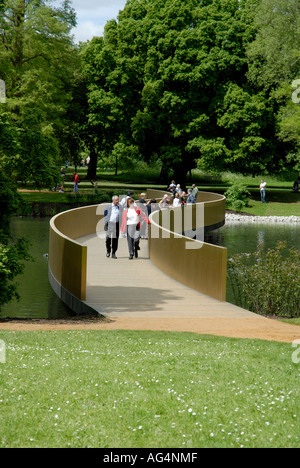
<point x="136" y="295"/>
<point x="137" y="288"/>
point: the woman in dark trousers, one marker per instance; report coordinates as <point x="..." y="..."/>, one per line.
<point x="152" y="206"/>
<point x="131" y="222"/>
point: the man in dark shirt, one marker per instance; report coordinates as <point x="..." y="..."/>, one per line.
<point x="190" y="198"/>
<point x="112" y="217"/>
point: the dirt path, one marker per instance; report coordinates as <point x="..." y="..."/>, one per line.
<point x="264" y="329"/>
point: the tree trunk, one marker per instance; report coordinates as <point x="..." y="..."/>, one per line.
<point x="163" y="178"/>
<point x="116" y="166"/>
<point x="92" y="169"/>
<point x="180" y="176"/>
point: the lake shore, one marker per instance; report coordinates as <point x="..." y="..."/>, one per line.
<point x="246" y="218"/>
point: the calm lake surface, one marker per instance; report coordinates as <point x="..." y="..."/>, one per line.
<point x="38" y="300"/>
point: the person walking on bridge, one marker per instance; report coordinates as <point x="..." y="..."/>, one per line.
<point x="112" y="218"/>
<point x="131" y="222"/>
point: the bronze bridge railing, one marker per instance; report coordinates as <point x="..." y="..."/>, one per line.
<point x="193" y="262"/>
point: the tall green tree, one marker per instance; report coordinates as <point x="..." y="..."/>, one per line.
<point x="168" y="79"/>
<point x="274" y="67"/>
<point x="289" y="126"/>
<point x="37" y="62"/>
<point x="274" y="55"/>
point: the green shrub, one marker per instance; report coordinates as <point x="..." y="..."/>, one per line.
<point x="237" y="196"/>
<point x="267" y="282"/>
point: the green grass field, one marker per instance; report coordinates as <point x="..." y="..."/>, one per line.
<point x="293" y="321"/>
<point x="273" y="208"/>
<point x="146" y="389"/>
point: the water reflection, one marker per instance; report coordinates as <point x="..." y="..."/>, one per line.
<point x="260" y="237"/>
<point x="38" y="299"/>
<point x="245" y="238"/>
<point x="240" y="238"/>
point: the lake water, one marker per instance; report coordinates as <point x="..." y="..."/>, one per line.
<point x="38" y="300"/>
<point x="240" y="238"/>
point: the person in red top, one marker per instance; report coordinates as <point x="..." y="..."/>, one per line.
<point x="76" y="180"/>
<point x="131" y="222"/>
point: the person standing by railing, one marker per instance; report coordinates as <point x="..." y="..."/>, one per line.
<point x="195" y="191"/>
<point x="190" y="198"/>
<point x="176" y="201"/>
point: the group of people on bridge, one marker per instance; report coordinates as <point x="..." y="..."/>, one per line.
<point x="131" y="218"/>
<point x="126" y="217"/>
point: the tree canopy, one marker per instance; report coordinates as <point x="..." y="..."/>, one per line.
<point x="187" y="83"/>
<point x="274" y="66"/>
<point x="170" y="80"/>
<point x="37" y="63"/>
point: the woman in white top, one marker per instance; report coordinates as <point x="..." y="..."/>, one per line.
<point x="262" y="187"/>
<point x="131" y="222"/>
<point x="178" y="189"/>
<point x="176" y="201"/>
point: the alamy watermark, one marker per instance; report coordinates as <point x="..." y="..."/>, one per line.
<point x="2" y="92"/>
<point x="296" y="353"/>
<point x="2" y="352"/>
<point x="296" y="93"/>
<point x="187" y="221"/>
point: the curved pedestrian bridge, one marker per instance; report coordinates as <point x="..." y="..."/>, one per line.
<point x="177" y="274"/>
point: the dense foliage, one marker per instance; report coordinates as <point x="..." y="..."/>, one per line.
<point x="237" y="196"/>
<point x="274" y="68"/>
<point x="177" y="81"/>
<point x="187" y="83"/>
<point x="267" y="282"/>
<point x="13" y="252"/>
<point x="37" y="63"/>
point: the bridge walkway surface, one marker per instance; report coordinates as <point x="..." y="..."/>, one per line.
<point x="135" y="294"/>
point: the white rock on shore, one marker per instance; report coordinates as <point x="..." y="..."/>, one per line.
<point x="249" y="219"/>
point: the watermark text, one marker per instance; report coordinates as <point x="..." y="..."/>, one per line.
<point x="2" y="92"/>
<point x="187" y="221"/>
<point x="296" y="353"/>
<point x="2" y="352"/>
<point x="296" y="93"/>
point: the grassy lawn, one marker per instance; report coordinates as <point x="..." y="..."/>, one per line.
<point x="281" y="200"/>
<point x="284" y="181"/>
<point x="56" y="197"/>
<point x="146" y="389"/>
<point x="273" y="209"/>
<point x="294" y="321"/>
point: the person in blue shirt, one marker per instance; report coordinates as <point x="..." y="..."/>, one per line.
<point x="190" y="198"/>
